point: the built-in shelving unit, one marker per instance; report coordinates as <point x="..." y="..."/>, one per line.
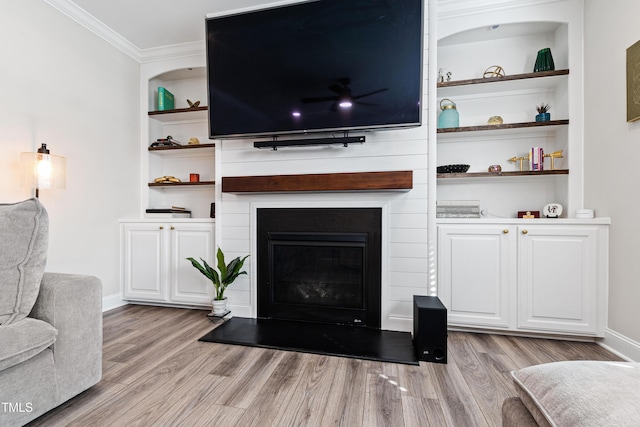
<point x="514" y="97"/>
<point x="182" y="123"/>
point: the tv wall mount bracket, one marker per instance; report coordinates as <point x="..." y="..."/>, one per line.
<point x="274" y="143"/>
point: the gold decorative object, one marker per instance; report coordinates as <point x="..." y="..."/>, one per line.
<point x="193" y="104"/>
<point x="553" y="156"/>
<point x="167" y="179"/>
<point x="193" y="141"/>
<point x="494" y="71"/>
<point x="520" y="159"/>
<point x="495" y="120"/>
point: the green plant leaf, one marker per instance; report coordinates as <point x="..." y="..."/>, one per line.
<point x="222" y="267"/>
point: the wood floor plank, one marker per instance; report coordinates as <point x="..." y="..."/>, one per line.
<point x="306" y="407"/>
<point x="346" y="403"/>
<point x="383" y="406"/>
<point x="157" y="373"/>
<point x="488" y="392"/>
<point x="275" y="394"/>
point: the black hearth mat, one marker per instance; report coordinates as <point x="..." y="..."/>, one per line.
<point x="317" y="338"/>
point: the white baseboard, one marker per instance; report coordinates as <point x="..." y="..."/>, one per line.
<point x="621" y="345"/>
<point x="112" y="301"/>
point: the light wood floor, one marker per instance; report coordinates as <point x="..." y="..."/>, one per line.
<point x="156" y="373"/>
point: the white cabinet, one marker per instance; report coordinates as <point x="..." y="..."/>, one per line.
<point x="561" y="277"/>
<point x="154" y="265"/>
<point x="476" y="274"/>
<point x="542" y="277"/>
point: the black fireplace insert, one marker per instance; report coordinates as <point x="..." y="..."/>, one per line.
<point x="320" y="265"/>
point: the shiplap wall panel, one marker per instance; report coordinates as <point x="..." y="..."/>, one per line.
<point x="405" y="235"/>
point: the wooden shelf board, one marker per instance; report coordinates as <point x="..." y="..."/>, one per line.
<point x="524" y="76"/>
<point x="504" y="126"/>
<point x="182" y="147"/>
<point x="177" y="110"/>
<point x="181" y="184"/>
<point x="501" y="174"/>
<point x="358" y="181"/>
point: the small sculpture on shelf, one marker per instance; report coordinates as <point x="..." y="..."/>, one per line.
<point x="494" y="71"/>
<point x="495" y="120"/>
<point x="543" y="113"/>
<point x="553" y="156"/>
<point x="165" y="142"/>
<point x="520" y="159"/>
<point x="193" y="141"/>
<point x="193" y="105"/>
<point x="167" y="179"/>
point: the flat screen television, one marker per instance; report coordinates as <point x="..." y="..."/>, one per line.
<point x="318" y="66"/>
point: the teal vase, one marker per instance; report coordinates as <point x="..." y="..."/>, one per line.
<point x="544" y="61"/>
<point x="449" y="117"/>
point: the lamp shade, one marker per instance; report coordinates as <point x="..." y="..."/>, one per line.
<point x="43" y="170"/>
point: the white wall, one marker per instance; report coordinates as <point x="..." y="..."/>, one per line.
<point x="406" y="254"/>
<point x="66" y="87"/>
<point x="612" y="147"/>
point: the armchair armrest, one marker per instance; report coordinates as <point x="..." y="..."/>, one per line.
<point x="72" y="304"/>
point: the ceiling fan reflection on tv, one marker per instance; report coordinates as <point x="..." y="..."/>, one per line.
<point x="343" y="99"/>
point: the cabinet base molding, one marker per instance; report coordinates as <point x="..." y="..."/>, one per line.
<point x="550" y="335"/>
<point x="203" y="307"/>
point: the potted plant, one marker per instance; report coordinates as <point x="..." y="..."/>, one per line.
<point x="222" y="278"/>
<point x="543" y="113"/>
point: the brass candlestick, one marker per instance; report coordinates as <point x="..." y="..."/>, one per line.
<point x="553" y="156"/>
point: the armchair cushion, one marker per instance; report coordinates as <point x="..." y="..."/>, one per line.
<point x="581" y="393"/>
<point x="23" y="340"/>
<point x="24" y="228"/>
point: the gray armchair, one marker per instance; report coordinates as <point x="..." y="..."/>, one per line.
<point x="54" y="352"/>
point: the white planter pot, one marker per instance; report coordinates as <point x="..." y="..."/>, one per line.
<point x="219" y="306"/>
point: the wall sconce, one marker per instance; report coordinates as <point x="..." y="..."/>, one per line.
<point x="43" y="170"/>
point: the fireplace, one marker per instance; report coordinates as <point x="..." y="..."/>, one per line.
<point x="320" y="265"/>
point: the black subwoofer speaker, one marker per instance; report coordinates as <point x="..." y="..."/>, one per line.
<point x="430" y="329"/>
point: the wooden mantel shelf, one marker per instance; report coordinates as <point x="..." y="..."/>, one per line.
<point x="355" y="181"/>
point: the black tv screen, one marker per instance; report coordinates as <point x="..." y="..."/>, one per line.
<point x="325" y="65"/>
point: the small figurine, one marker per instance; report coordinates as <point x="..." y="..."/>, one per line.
<point x="449" y="76"/>
<point x="193" y="104"/>
<point x="494" y="71"/>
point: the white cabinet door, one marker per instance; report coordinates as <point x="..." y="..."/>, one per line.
<point x="188" y="285"/>
<point x="476" y="274"/>
<point x="559" y="279"/>
<point x="144" y="266"/>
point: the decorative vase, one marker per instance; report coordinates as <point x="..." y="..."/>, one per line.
<point x="544" y="61"/>
<point x="449" y="117"/>
<point x="543" y="117"/>
<point x="219" y="306"/>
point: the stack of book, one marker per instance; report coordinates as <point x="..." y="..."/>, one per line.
<point x="172" y="212"/>
<point x="458" y="209"/>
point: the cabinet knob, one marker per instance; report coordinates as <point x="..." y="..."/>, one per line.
<point x="172" y="227"/>
<point x="505" y="231"/>
<point x="161" y="228"/>
<point x="524" y="231"/>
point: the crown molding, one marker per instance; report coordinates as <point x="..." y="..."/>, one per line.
<point x="175" y="51"/>
<point x="457" y="8"/>
<point x="96" y="26"/>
